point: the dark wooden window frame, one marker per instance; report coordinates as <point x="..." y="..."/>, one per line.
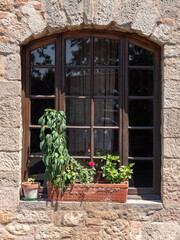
<point x="59" y="96"/>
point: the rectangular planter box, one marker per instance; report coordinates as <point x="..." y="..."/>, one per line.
<point x="90" y="192"/>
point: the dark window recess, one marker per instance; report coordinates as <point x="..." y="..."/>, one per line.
<point x="110" y="96"/>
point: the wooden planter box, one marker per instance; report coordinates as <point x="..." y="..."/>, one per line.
<point x="90" y="192"/>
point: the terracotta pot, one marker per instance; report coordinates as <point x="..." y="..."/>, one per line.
<point x="30" y="189"/>
<point x="90" y="192"/>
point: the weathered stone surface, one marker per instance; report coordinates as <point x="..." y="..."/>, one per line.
<point x="9" y="197"/>
<point x="167" y="215"/>
<point x="172" y="94"/>
<point x="72" y="218"/>
<point x="18" y="229"/>
<point x="162" y="33"/>
<point x="6" y="5"/>
<point x="9" y="178"/>
<point x="106" y="215"/>
<point x="8" y="47"/>
<point x="171" y="170"/>
<point x="5" y="217"/>
<point x="104" y="14"/>
<point x="33" y="18"/>
<point x="73" y="11"/>
<point x="135" y="230"/>
<point x="55" y="15"/>
<point x="161" y="231"/>
<point x="12" y="67"/>
<point x="172" y="69"/>
<point x="31" y="216"/>
<point x="117" y="230"/>
<point x="9" y="161"/>
<point x="146" y="19"/>
<point x="171" y="193"/>
<point x="171" y="148"/>
<point x="15" y="29"/>
<point x="171" y="124"/>
<point x="9" y="88"/>
<point x="10" y="139"/>
<point x="10" y="112"/>
<point x="171" y="51"/>
<point x="126" y="11"/>
<point x="51" y="232"/>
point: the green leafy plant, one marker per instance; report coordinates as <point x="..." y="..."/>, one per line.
<point x="113" y="173"/>
<point x="60" y="168"/>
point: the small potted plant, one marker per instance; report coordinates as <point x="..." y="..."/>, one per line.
<point x="60" y="168"/>
<point x="30" y="189"/>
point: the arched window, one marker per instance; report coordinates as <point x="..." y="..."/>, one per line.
<point x="108" y="85"/>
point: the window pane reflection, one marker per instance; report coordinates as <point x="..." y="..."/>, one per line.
<point x="143" y="174"/>
<point x="140" y="82"/>
<point x="106" y="141"/>
<point x="106" y="51"/>
<point x="139" y="56"/>
<point x="106" y="112"/>
<point x="140" y="143"/>
<point x="44" y="55"/>
<point x="78" y="112"/>
<point x="78" y="142"/>
<point x="140" y="113"/>
<point x="78" y="52"/>
<point x="42" y="81"/>
<point x="37" y="108"/>
<point x="77" y="82"/>
<point x="106" y="82"/>
<point x="35" y="141"/>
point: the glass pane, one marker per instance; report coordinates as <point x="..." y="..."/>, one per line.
<point x="35" y="141"/>
<point x="139" y="56"/>
<point x="143" y="174"/>
<point x="78" y="112"/>
<point x="44" y="55"/>
<point x="140" y="143"/>
<point x="106" y="82"/>
<point x="140" y="82"/>
<point x="77" y="82"/>
<point x="42" y="81"/>
<point x="106" y="141"/>
<point x="37" y="168"/>
<point x="140" y="113"/>
<point x="37" y="108"/>
<point x="106" y="51"/>
<point x="106" y="112"/>
<point x="78" y="52"/>
<point x="78" y="142"/>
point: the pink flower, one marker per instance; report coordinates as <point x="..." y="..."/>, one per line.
<point x="91" y="164"/>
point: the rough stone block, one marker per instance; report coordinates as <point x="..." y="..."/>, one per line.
<point x="171" y="147"/>
<point x="160" y="231"/>
<point x="105" y="215"/>
<point x="8" y="47"/>
<point x="19" y="229"/>
<point x="172" y="94"/>
<point x="72" y="218"/>
<point x="104" y="14"/>
<point x="73" y="11"/>
<point x="117" y="230"/>
<point x="34" y="19"/>
<point x="172" y="68"/>
<point x="5" y="217"/>
<point x="12" y="67"/>
<point x="162" y="33"/>
<point x="55" y="15"/>
<point x="6" y="5"/>
<point x="171" y="193"/>
<point x="10" y="161"/>
<point x="10" y="178"/>
<point x="9" y="197"/>
<point x="172" y="51"/>
<point x="32" y="216"/>
<point x="9" y="88"/>
<point x="171" y="170"/>
<point x="146" y="19"/>
<point x="171" y="123"/>
<point x="10" y="112"/>
<point x="10" y="139"/>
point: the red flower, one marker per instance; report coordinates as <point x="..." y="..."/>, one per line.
<point x="91" y="164"/>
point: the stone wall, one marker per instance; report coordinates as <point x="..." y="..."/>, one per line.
<point x="24" y="20"/>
